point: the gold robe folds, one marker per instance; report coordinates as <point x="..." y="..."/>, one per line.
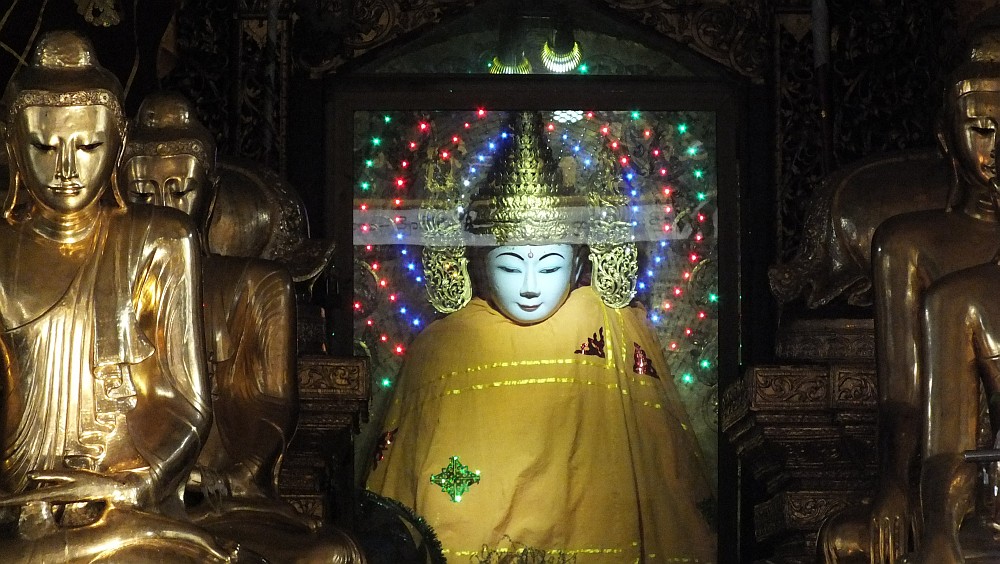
<point x="580" y="441"/>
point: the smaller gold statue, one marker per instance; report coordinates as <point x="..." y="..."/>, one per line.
<point x="106" y="401"/>
<point x="249" y="311"/>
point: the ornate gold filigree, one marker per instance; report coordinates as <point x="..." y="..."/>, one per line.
<point x="525" y="200"/>
<point x="89" y="97"/>
<point x="446" y="268"/>
<point x="613" y="254"/>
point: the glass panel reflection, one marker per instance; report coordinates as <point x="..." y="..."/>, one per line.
<point x="525" y="332"/>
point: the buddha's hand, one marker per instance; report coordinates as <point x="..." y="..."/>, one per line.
<point x="891" y="525"/>
<point x="72" y="486"/>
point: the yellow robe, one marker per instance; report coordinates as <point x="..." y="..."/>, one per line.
<point x="577" y="453"/>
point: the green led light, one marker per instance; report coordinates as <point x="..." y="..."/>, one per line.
<point x="369" y="163"/>
<point x="698" y="173"/>
<point x="705" y="363"/>
<point x="692" y="150"/>
<point x="376" y="141"/>
<point x="365" y="185"/>
<point x="635" y="114"/>
<point x="701" y="195"/>
<point x="387" y="119"/>
<point x="584" y="68"/>
<point x="713" y="297"/>
<point x="682" y="128"/>
<point x="687" y="378"/>
<point x="386" y="382"/>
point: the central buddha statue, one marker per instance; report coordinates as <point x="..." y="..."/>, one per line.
<point x="540" y="414"/>
<point x="106" y="401"/>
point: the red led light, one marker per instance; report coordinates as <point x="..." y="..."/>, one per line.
<point x="688" y="331"/>
<point x="481" y="112"/>
<point x="666" y="191"/>
<point x="693" y="257"/>
<point x="357" y="305"/>
<point x="686" y="275"/>
<point x="666" y="228"/>
<point x="368" y="247"/>
<point x="467" y="125"/>
<point x="624" y="161"/>
<point x="392" y="297"/>
<point x="673" y="346"/>
<point x="383" y="283"/>
<point x="399" y="349"/>
<point x="398" y="202"/>
<point x="405" y="164"/>
<point x="701" y="315"/>
<point x="647" y="133"/>
<point x="656" y="152"/>
<point x="365" y="228"/>
<point x="698" y="237"/>
<point x="445" y="154"/>
<point x="590" y="115"/>
<point x="397" y="219"/>
<point x="400" y="182"/>
<point x="551" y="127"/>
<point x="701" y="217"/>
<point x="604" y="130"/>
<point x="370" y="322"/>
<point x="668" y="209"/>
<point x="455" y="139"/>
<point x="614" y="145"/>
<point x="677" y="290"/>
<point x="424" y="126"/>
<point x="383" y="337"/>
<point x="663" y="172"/>
<point x="374" y="266"/>
<point x="364" y="207"/>
<point x="413" y="145"/>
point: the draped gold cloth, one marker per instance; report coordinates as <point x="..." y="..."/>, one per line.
<point x="588" y="455"/>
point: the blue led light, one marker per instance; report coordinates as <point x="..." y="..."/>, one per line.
<point x="482" y="158"/>
<point x="403" y="252"/>
<point x="630" y="176"/>
<point x="399" y="236"/>
<point x="420" y="278"/>
<point x="663" y="243"/>
<point x="649" y="273"/>
<point x="472" y="170"/>
<point x="411" y="266"/>
<point x="635" y="193"/>
<point x="402" y="310"/>
<point x="658" y="259"/>
<point x="565" y="136"/>
<point x="635" y="208"/>
<point x="503" y="135"/>
<point x="654" y="318"/>
<point x="576" y="149"/>
<point x="586" y="162"/>
<point x="416" y="322"/>
<point x="642" y="285"/>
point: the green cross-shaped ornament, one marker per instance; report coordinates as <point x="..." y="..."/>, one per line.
<point x="455" y="479"/>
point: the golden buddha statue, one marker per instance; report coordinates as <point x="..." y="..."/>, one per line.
<point x="537" y="415"/>
<point x="909" y="252"/>
<point x="249" y="315"/>
<point x="106" y="398"/>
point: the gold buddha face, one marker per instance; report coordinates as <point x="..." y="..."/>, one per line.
<point x="977" y="115"/>
<point x="65" y="154"/>
<point x="177" y="181"/>
<point x="529" y="283"/>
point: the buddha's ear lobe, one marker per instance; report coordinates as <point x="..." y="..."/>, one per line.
<point x="14" y="179"/>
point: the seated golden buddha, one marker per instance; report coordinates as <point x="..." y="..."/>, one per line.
<point x="536" y="414"/>
<point x="106" y="399"/>
<point x="249" y="314"/>
<point x="909" y="253"/>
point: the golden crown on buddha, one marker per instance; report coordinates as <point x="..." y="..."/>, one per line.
<point x="525" y="201"/>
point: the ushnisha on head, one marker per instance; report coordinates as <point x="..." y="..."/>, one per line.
<point x="64" y="128"/>
<point x="169" y="159"/>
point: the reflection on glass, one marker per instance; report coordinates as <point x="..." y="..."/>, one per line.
<point x="564" y="398"/>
